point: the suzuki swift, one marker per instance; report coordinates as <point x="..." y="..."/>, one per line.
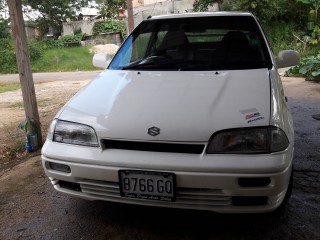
<point x="190" y="113"/>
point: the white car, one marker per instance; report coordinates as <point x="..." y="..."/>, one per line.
<point x="190" y="113"/>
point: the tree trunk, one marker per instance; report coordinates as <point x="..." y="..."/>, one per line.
<point x="24" y="66"/>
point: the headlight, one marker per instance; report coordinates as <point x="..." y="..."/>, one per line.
<point x="72" y="133"/>
<point x="248" y="140"/>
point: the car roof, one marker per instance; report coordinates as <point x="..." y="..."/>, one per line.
<point x="201" y="14"/>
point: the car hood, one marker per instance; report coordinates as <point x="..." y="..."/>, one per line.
<point x="184" y="106"/>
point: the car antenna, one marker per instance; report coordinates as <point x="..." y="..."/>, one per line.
<point x="150" y="16"/>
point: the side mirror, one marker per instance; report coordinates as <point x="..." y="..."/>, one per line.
<point x="101" y="60"/>
<point x="287" y="58"/>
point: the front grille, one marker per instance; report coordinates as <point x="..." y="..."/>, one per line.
<point x="154" y="146"/>
<point x="185" y="197"/>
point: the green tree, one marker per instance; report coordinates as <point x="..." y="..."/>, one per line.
<point x="54" y="13"/>
<point x="4" y="29"/>
<point x="315" y="5"/>
<point x="111" y="8"/>
<point x="267" y="10"/>
<point x="292" y="11"/>
<point x="202" y="5"/>
<point x="264" y="9"/>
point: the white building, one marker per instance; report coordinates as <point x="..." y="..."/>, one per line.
<point x="28" y="13"/>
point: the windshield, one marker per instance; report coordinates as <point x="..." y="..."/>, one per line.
<point x="194" y="43"/>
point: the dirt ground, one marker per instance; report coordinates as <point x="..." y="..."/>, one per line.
<point x="51" y="96"/>
<point x="31" y="209"/>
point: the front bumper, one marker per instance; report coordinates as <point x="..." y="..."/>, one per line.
<point x="203" y="182"/>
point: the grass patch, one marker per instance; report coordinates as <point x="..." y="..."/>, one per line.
<point x="43" y="102"/>
<point x="17" y="147"/>
<point x="40" y="102"/>
<point x="45" y="113"/>
<point x="64" y="59"/>
<point x="13" y="144"/>
<point x="6" y="87"/>
<point x="17" y="105"/>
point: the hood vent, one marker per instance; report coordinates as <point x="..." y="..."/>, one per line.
<point x="154" y="146"/>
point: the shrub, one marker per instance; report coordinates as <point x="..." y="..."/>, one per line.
<point x="308" y="68"/>
<point x="280" y="35"/>
<point x="49" y="44"/>
<point x="4" y="31"/>
<point x="110" y="26"/>
<point x="35" y="49"/>
<point x="72" y="38"/>
<point x="268" y="10"/>
<point x="8" y="63"/>
<point x="264" y="9"/>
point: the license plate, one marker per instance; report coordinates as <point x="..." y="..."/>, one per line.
<point x="159" y="186"/>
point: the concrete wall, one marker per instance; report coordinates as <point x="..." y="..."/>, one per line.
<point x="86" y="27"/>
<point x="32" y="31"/>
<point x="137" y="3"/>
<point x="141" y="12"/>
<point x="164" y="7"/>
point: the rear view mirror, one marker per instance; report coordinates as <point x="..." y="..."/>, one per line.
<point x="287" y="58"/>
<point x="101" y="60"/>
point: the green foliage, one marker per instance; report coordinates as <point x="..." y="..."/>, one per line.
<point x="280" y="35"/>
<point x="268" y="10"/>
<point x="46" y="56"/>
<point x="50" y="43"/>
<point x="312" y="35"/>
<point x="110" y="26"/>
<point x="264" y="9"/>
<point x="72" y="38"/>
<point x="64" y="59"/>
<point x="5" y="87"/>
<point x="4" y="31"/>
<point x="309" y="68"/>
<point x="292" y="11"/>
<point x="315" y="36"/>
<point x="8" y="63"/>
<point x="54" y="13"/>
<point x="59" y="43"/>
<point x="43" y="26"/>
<point x="111" y="8"/>
<point x="314" y="3"/>
<point x="202" y="5"/>
<point x="35" y="50"/>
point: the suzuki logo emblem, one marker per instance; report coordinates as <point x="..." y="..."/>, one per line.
<point x="154" y="131"/>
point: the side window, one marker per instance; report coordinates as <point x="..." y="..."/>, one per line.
<point x="139" y="46"/>
<point x="160" y="37"/>
<point x="157" y="40"/>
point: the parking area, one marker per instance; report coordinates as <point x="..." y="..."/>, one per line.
<point x="31" y="209"/>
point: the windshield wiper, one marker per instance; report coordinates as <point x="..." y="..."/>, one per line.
<point x="137" y="65"/>
<point x="163" y="62"/>
<point x="147" y="62"/>
<point x="234" y="65"/>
